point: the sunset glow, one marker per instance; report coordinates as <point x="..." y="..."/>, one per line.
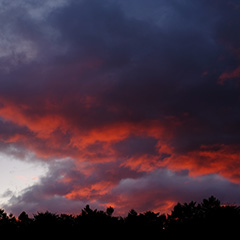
<point x="130" y="104"/>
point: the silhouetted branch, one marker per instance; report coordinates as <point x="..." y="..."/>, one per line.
<point x="208" y="217"/>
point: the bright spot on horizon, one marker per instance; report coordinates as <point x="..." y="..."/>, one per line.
<point x="16" y="175"/>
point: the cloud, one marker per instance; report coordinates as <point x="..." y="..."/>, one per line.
<point x="229" y="75"/>
<point x="221" y="159"/>
<point x="71" y="186"/>
<point x="122" y="89"/>
<point x="159" y="191"/>
<point x="49" y="190"/>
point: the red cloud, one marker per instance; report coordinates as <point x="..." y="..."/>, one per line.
<point x="91" y="192"/>
<point x="229" y="75"/>
<point x="53" y="134"/>
<point x="219" y="158"/>
<point x="42" y="125"/>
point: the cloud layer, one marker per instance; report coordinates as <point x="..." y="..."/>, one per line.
<point x="140" y="98"/>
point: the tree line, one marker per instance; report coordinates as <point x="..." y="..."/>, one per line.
<point x="187" y="220"/>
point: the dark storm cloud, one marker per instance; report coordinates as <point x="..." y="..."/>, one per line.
<point x="136" y="146"/>
<point x="127" y="87"/>
<point x="161" y="70"/>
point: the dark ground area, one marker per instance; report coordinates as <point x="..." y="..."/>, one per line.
<point x="207" y="220"/>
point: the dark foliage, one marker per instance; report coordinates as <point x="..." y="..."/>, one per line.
<point x="188" y="220"/>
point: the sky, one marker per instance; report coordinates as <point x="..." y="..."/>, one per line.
<point x="122" y="103"/>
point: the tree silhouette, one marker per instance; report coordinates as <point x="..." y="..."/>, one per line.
<point x="210" y="203"/>
<point x="23" y="217"/>
<point x="188" y="220"/>
<point x="132" y="214"/>
<point x="3" y="215"/>
<point x="109" y="211"/>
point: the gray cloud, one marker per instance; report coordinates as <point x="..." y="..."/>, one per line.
<point x="94" y="64"/>
<point x="159" y="187"/>
<point x="150" y="191"/>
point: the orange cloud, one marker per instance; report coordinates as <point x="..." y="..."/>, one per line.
<point x="20" y="114"/>
<point x="220" y="158"/>
<point x="96" y="143"/>
<point x="209" y="159"/>
<point x="49" y="126"/>
<point x="229" y="75"/>
<point x="146" y="162"/>
<point x="116" y="132"/>
<point x="91" y="191"/>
